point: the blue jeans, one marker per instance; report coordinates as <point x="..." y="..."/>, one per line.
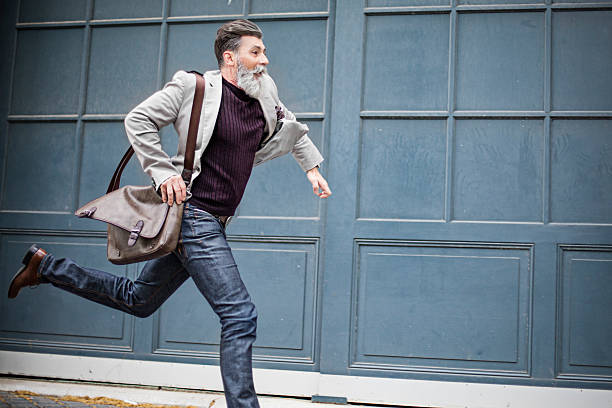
<point x="204" y="255"/>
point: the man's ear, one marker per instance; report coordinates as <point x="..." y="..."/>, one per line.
<point x="229" y="58"/>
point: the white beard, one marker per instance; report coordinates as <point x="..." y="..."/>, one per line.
<point x="247" y="81"/>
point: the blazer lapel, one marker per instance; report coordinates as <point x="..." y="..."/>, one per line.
<point x="210" y="108"/>
<point x="267" y="106"/>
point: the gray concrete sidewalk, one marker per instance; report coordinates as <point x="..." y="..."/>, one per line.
<point x="21" y="393"/>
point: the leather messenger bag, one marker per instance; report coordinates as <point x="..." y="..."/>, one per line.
<point x="140" y="225"/>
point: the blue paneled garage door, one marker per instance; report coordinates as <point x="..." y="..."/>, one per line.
<point x="468" y="145"/>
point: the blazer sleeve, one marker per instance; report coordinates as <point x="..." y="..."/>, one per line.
<point x="143" y="123"/>
<point x="304" y="151"/>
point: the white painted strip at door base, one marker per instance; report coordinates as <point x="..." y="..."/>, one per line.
<point x="393" y="391"/>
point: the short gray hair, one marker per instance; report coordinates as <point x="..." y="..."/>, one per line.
<point x="229" y="34"/>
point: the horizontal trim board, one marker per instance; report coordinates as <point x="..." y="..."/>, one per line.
<point x="63" y="233"/>
<point x="256" y="17"/>
<point x="295" y="14"/>
<point x="303" y="384"/>
<point x="498" y="113"/>
<point x="500" y="7"/>
<point x="51" y="24"/>
<point x="443" y="244"/>
<point x="360" y="219"/>
<point x="124" y="21"/>
<point x="104" y="117"/>
<point x="42" y="118"/>
<point x="440" y="370"/>
<point x="402" y="114"/>
<point x="367" y="114"/>
<point x="63" y="345"/>
<point x="373" y="11"/>
<point x="582" y="6"/>
<point x="214" y="356"/>
<point x="581" y="114"/>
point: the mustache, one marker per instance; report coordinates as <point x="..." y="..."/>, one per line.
<point x="259" y="69"/>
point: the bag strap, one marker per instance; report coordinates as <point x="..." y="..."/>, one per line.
<point x="194" y="122"/>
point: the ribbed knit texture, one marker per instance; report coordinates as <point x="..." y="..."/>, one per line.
<point x="228" y="159"/>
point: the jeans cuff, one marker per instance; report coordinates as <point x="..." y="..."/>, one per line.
<point x="44" y="264"/>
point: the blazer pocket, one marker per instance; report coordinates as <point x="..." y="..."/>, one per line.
<point x="281" y="142"/>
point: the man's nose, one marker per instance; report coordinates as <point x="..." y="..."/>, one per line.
<point x="263" y="60"/>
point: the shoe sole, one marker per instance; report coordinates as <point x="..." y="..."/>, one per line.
<point x="13" y="282"/>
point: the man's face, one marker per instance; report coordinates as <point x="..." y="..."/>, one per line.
<point x="250" y="65"/>
<point x="252" y="53"/>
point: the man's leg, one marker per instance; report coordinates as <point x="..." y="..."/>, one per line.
<point x="141" y="297"/>
<point x="208" y="259"/>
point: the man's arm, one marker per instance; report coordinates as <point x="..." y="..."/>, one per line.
<point x="309" y="158"/>
<point x="142" y="127"/>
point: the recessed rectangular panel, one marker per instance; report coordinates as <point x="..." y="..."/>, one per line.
<point x="113" y="9"/>
<point x="281" y="280"/>
<point x="406" y="62"/>
<point x="406" y="3"/>
<point x="590" y="321"/>
<point x="35" y="11"/>
<point x="297" y="50"/>
<point x="39" y="167"/>
<point x="497" y="172"/>
<point x="402" y="169"/>
<point x="581" y="60"/>
<point x="104" y="144"/>
<point x="586" y="323"/>
<point x="434" y="306"/>
<point x="280" y="187"/>
<point x="277" y="278"/>
<point x="47" y="314"/>
<point x="581" y="171"/>
<point x="123" y="67"/>
<point x="190" y="47"/>
<point x="284" y="6"/>
<point x="47" y="71"/>
<point x="500" y="61"/>
<point x="205" y="8"/>
<point x="198" y="327"/>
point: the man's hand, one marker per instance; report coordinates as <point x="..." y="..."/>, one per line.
<point x="173" y="189"/>
<point x="319" y="185"/>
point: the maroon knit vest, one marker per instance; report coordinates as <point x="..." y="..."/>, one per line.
<point x="228" y="159"/>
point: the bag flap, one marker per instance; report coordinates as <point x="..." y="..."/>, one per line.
<point x="127" y="206"/>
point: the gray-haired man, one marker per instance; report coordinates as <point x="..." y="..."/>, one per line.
<point x="243" y="124"/>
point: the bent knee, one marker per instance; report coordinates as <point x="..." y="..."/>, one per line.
<point x="241" y="323"/>
<point x="141" y="311"/>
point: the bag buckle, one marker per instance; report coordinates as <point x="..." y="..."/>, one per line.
<point x="87" y="213"/>
<point x="135" y="233"/>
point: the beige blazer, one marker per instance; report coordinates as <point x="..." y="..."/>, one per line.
<point x="172" y="104"/>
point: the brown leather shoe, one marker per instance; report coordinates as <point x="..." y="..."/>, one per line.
<point x="28" y="274"/>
